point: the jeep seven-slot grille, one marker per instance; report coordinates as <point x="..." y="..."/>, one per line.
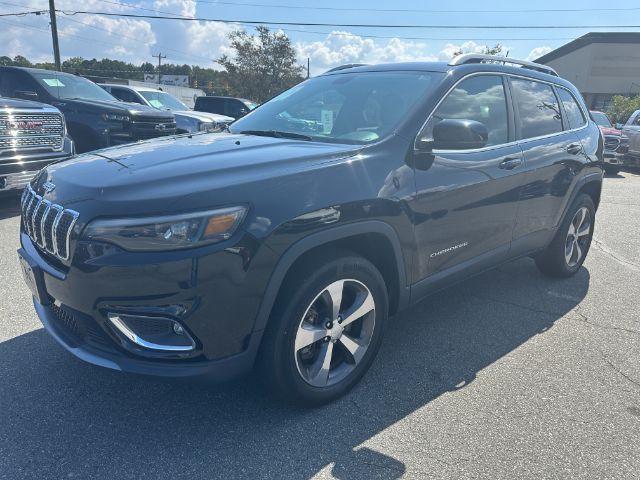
<point x="31" y="130"/>
<point x="49" y="225"/>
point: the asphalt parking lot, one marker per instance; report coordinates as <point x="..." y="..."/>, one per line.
<point x="508" y="375"/>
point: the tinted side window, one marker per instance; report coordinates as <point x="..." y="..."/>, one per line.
<point x="125" y="95"/>
<point x="12" y="81"/>
<point x="575" y="117"/>
<point x="539" y="112"/>
<point x="480" y="98"/>
<point x="233" y="107"/>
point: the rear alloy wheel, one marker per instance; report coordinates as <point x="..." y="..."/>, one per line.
<point x="325" y="329"/>
<point x="578" y="237"/>
<point x="566" y="253"/>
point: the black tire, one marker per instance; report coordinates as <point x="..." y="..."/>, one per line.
<point x="553" y="261"/>
<point x="610" y="170"/>
<point x="279" y="364"/>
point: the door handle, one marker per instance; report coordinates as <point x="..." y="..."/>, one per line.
<point x="574" y="148"/>
<point x="510" y="163"/>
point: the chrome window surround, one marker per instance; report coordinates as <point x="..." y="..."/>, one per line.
<point x="35" y="226"/>
<point x="124" y="329"/>
<point x="493" y="147"/>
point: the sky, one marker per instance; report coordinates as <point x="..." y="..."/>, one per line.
<point x="200" y="43"/>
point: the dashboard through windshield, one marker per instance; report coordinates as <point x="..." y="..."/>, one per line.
<point x="357" y="108"/>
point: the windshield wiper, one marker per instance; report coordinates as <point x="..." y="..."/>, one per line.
<point x="277" y="134"/>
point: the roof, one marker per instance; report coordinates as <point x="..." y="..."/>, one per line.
<point x="38" y="70"/>
<point x="462" y="69"/>
<point x="588" y="39"/>
<point x="132" y="87"/>
<point x="390" y="67"/>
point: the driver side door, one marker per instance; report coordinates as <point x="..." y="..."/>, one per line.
<point x="466" y="201"/>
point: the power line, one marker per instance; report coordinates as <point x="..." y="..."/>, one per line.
<point x="345" y="25"/>
<point x="24" y="14"/>
<point x="114" y="2"/>
<point x="416" y="10"/>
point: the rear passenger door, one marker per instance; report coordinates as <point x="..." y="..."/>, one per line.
<point x="553" y="154"/>
<point x="466" y="201"/>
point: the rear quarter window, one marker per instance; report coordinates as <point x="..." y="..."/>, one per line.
<point x="538" y="108"/>
<point x="575" y="117"/>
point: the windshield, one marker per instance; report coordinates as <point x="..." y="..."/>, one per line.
<point x="601" y="119"/>
<point x="345" y="108"/>
<point x="162" y="100"/>
<point x="70" y="87"/>
<point x="249" y="104"/>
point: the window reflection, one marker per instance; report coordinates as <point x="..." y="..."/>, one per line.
<point x="538" y="108"/>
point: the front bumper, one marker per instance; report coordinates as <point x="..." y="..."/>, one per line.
<point x="98" y="351"/>
<point x="208" y="292"/>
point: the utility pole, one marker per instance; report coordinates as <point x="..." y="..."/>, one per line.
<point x="160" y="57"/>
<point x="54" y="34"/>
<point x="308" y="64"/>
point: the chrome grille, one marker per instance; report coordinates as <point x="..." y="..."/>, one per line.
<point x="49" y="225"/>
<point x="31" y="130"/>
<point x="611" y="142"/>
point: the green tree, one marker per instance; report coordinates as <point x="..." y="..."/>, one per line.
<point x="622" y="107"/>
<point x="263" y="65"/>
<point x="20" y="61"/>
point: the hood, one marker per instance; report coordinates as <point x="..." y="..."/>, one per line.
<point x="153" y="176"/>
<point x="204" y="116"/>
<point x="132" y="108"/>
<point x="610" y="131"/>
<point x="13" y="103"/>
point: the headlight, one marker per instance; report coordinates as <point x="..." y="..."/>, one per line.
<point x="115" y="117"/>
<point x="208" y="127"/>
<point x="168" y="232"/>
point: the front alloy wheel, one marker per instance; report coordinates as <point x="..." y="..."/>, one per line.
<point x="335" y="332"/>
<point x="325" y="329"/>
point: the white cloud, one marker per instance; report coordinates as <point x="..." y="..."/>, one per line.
<point x="538" y="52"/>
<point x="340" y="47"/>
<point x="127" y="39"/>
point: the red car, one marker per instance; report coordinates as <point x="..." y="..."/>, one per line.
<point x="616" y="145"/>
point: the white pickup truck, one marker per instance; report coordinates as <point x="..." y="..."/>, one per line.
<point x="631" y="129"/>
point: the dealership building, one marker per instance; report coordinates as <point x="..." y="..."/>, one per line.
<point x="600" y="64"/>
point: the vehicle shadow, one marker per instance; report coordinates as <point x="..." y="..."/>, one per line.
<point x="62" y="418"/>
<point x="9" y="206"/>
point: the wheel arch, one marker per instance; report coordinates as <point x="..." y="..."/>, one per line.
<point x="363" y="238"/>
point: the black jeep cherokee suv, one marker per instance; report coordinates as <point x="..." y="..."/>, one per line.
<point x="289" y="242"/>
<point x="95" y="119"/>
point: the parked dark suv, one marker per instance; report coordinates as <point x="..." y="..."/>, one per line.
<point x="95" y="119"/>
<point x="289" y="242"/>
<point x="229" y="106"/>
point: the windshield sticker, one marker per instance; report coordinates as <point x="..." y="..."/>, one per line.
<point x="53" y="82"/>
<point x="326" y="117"/>
<point x="156" y="103"/>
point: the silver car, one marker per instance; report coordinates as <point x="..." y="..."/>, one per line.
<point x="187" y="120"/>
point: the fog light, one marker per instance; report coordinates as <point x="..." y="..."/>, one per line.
<point x="153" y="333"/>
<point x="177" y="329"/>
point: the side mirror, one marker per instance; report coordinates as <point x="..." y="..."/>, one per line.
<point x="455" y="134"/>
<point x="26" y="95"/>
<point x="619" y="126"/>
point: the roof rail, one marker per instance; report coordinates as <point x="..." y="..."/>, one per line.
<point x="482" y="58"/>
<point x="344" y="67"/>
